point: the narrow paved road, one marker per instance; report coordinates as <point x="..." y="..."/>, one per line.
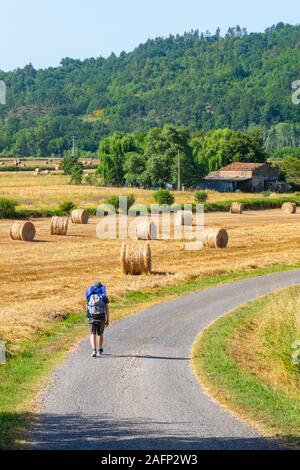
<point x="142" y="394"/>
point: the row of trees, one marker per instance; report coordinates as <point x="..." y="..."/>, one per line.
<point x="151" y="159"/>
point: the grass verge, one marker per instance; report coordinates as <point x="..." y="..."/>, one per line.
<point x="26" y="372"/>
<point x="244" y="362"/>
<point x="219" y="206"/>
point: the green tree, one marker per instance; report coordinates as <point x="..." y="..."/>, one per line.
<point x="135" y="169"/>
<point x="112" y="155"/>
<point x="290" y="168"/>
<point x="158" y="170"/>
<point x="224" y="146"/>
<point x="164" y="147"/>
<point x="77" y="173"/>
<point x="69" y="162"/>
<point x="280" y="153"/>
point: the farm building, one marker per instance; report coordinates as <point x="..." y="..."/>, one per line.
<point x="245" y="177"/>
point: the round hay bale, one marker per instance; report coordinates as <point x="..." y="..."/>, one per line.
<point x="289" y="207"/>
<point x="136" y="259"/>
<point x="80" y="216"/>
<point x="183" y="218"/>
<point x="237" y="208"/>
<point x="215" y="238"/>
<point x="24" y="231"/>
<point x="59" y="225"/>
<point x="146" y="231"/>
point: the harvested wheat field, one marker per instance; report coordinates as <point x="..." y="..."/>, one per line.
<point x="48" y="191"/>
<point x="51" y="161"/>
<point x="49" y="276"/>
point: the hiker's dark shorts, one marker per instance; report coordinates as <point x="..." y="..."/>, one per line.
<point x="97" y="328"/>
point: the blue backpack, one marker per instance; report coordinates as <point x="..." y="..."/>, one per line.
<point x="96" y="303"/>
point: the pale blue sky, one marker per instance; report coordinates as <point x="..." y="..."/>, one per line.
<point x="44" y="31"/>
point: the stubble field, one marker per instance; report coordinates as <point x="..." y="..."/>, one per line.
<point x="48" y="191"/>
<point x="50" y="275"/>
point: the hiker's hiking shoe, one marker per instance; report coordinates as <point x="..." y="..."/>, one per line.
<point x="94" y="353"/>
<point x="99" y="353"/>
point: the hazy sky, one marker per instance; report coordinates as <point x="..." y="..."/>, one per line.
<point x="44" y="31"/>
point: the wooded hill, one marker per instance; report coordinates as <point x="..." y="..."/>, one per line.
<point x="201" y="81"/>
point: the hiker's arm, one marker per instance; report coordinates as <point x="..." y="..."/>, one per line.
<point x="87" y="311"/>
<point x="107" y="315"/>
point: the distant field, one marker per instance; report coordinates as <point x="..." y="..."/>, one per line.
<point x="27" y="163"/>
<point x="51" y="274"/>
<point x="48" y="191"/>
<point x="40" y="161"/>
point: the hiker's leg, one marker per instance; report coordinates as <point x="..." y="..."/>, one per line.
<point x="93" y="341"/>
<point x="100" y="342"/>
<point x="101" y="335"/>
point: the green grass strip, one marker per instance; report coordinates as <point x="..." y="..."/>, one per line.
<point x="24" y="373"/>
<point x="271" y="410"/>
<point x="184" y="288"/>
<point x="219" y="206"/>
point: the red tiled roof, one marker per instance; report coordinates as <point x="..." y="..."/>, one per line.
<point x="242" y="166"/>
<point x="215" y="176"/>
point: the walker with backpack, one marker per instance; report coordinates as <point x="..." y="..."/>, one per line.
<point x="96" y="301"/>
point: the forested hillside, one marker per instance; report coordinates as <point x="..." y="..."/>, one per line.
<point x="200" y="81"/>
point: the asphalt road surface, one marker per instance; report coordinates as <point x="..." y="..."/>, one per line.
<point x="142" y="394"/>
